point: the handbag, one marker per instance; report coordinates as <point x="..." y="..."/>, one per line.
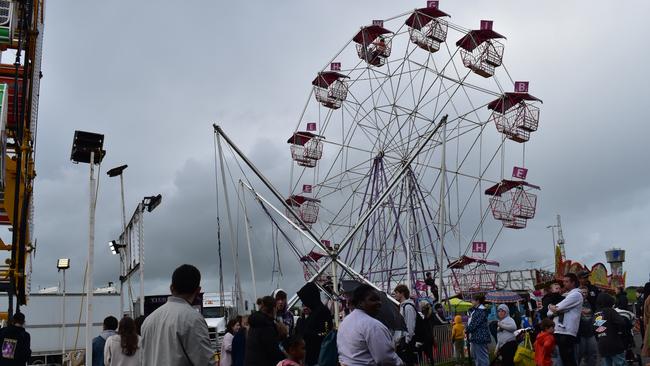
<point x="525" y="355"/>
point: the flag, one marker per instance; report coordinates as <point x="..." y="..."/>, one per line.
<point x="335" y="66"/>
<point x="520" y="173"/>
<point x="479" y="247"/>
<point x="486" y="25"/>
<point x="521" y="86"/>
<point x="311" y="126"/>
<point x="432" y="4"/>
<point x="306" y="188"/>
<point x="378" y="22"/>
<point x="420" y="285"/>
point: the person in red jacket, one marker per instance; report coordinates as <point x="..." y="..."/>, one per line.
<point x="545" y="344"/>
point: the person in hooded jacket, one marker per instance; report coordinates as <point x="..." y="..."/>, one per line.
<point x="611" y="331"/>
<point x="264" y="336"/>
<point x="458" y="337"/>
<point x="282" y="313"/>
<point x="16" y="347"/>
<point x="506" y="340"/>
<point x="317" y="325"/>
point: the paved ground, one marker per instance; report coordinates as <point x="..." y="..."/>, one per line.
<point x="639" y="342"/>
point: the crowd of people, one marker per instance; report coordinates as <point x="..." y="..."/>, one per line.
<point x="576" y="323"/>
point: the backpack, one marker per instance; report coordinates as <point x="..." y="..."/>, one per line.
<point x="628" y="337"/>
<point x="420" y="326"/>
<point x="329" y="352"/>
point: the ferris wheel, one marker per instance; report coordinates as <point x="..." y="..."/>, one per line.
<point x="402" y="155"/>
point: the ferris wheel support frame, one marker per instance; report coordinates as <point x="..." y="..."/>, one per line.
<point x="333" y="253"/>
<point x="306" y="231"/>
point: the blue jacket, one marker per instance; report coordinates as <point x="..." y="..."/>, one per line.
<point x="239" y="347"/>
<point x="98" y="347"/>
<point x="477" y="327"/>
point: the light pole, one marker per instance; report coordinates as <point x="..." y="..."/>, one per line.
<point x="115" y="172"/>
<point x="150" y="203"/>
<point x="116" y="249"/>
<point x="87" y="147"/>
<point x="63" y="264"/>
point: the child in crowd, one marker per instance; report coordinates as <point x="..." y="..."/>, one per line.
<point x="295" y="350"/>
<point x="458" y="337"/>
<point x="553" y="296"/>
<point x="545" y="344"/>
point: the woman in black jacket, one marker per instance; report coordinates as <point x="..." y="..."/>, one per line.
<point x="264" y="337"/>
<point x="611" y="331"/>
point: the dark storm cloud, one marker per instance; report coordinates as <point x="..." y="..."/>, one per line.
<point x="154" y="76"/>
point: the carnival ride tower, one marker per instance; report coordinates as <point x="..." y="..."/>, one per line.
<point x="615" y="258"/>
<point x="21" y="41"/>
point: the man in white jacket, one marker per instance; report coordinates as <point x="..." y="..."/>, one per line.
<point x="566" y="331"/>
<point x="175" y="333"/>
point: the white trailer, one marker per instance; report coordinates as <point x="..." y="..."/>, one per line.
<point x="43" y="318"/>
<point x="217" y="312"/>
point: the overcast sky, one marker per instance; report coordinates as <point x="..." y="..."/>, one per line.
<point x="154" y="75"/>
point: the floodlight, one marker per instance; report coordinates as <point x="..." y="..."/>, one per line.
<point x="116" y="171"/>
<point x="63" y="263"/>
<point x="151" y="202"/>
<point x="84" y="143"/>
<point x="115" y="247"/>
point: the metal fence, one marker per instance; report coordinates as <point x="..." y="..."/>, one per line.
<point x="443" y="347"/>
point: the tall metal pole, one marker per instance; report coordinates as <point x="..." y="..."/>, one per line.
<point x="408" y="252"/>
<point x="123" y="249"/>
<point x="443" y="183"/>
<point x="248" y="241"/>
<point x="91" y="255"/>
<point x="63" y="319"/>
<point x="335" y="284"/>
<point x="141" y="255"/>
<point x="233" y="244"/>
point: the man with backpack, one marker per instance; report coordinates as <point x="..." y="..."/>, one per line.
<point x="406" y="339"/>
